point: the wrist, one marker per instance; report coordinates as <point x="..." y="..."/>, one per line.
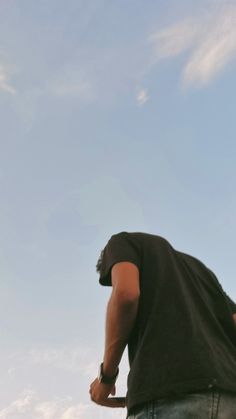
<point x="108" y="370"/>
<point x="106" y="378"/>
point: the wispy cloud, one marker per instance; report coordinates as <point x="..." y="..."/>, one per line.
<point x="76" y="359"/>
<point x="71" y="359"/>
<point x="142" y="97"/>
<point x="213" y="54"/>
<point x="173" y="40"/>
<point x="54" y="409"/>
<point x="4" y="81"/>
<point x="210" y="38"/>
<point x="18" y="406"/>
<point x="11" y="371"/>
<point x="28" y="406"/>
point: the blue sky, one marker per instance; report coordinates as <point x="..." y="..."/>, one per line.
<point x="115" y="116"/>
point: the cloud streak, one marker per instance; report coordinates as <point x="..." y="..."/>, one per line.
<point x="214" y="53"/>
<point x="142" y="97"/>
<point x="173" y="40"/>
<point x="4" y="84"/>
<point x="76" y="359"/>
<point x="210" y="40"/>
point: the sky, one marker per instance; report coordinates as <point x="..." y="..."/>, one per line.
<point x="114" y="116"/>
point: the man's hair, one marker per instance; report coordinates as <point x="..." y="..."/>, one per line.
<point x="99" y="262"/>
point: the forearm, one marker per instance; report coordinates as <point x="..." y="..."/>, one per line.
<point x="120" y="319"/>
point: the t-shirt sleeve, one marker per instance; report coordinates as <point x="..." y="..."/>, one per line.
<point x="231" y="303"/>
<point x="120" y="248"/>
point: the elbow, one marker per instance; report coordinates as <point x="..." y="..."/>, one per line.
<point x="126" y="298"/>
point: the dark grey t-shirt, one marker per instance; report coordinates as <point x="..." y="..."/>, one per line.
<point x="184" y="338"/>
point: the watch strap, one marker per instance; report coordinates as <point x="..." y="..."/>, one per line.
<point x="106" y="379"/>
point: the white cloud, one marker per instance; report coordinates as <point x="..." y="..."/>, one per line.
<point x="142" y="97"/>
<point x="211" y="39"/>
<point x="173" y="40"/>
<point x="46" y="410"/>
<point x="215" y="52"/>
<point x="11" y="371"/>
<point x="75" y="412"/>
<point x="29" y="406"/>
<point x="18" y="406"/>
<point x="76" y="359"/>
<point x="4" y="84"/>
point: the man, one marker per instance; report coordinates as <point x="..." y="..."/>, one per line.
<point x="180" y="328"/>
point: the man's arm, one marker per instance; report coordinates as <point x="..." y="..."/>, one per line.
<point x="234" y="317"/>
<point x="120" y="318"/>
<point x="121" y="313"/>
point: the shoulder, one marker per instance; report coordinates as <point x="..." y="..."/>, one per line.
<point x="139" y="240"/>
<point x="126" y="236"/>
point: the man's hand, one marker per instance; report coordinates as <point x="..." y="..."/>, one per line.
<point x="99" y="393"/>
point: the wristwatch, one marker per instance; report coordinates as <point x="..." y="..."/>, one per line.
<point x="102" y="378"/>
